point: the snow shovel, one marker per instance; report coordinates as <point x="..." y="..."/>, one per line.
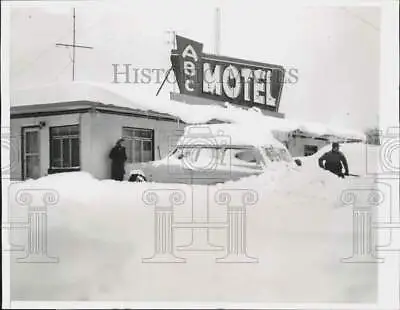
<point x="353" y="175"/>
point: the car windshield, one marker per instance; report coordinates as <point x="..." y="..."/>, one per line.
<point x="277" y="154"/>
<point x="222" y="156"/>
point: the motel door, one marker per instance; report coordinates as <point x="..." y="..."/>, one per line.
<point x="31" y="153"/>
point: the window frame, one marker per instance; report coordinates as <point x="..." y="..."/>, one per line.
<point x="132" y="138"/>
<point x="308" y="146"/>
<point x="52" y="168"/>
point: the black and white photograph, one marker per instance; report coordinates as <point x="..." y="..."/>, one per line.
<point x="200" y="154"/>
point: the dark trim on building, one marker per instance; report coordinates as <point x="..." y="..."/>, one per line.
<point x="48" y="113"/>
<point x="60" y="170"/>
<point x="75" y="107"/>
<point x="140" y="115"/>
<point x="308" y="137"/>
<point x="63" y="112"/>
<point x="327" y="139"/>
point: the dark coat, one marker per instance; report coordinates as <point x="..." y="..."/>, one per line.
<point x="118" y="158"/>
<point x="334" y="162"/>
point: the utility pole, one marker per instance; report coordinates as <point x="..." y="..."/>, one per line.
<point x="74" y="46"/>
<point x="172" y="42"/>
<point x="217" y="30"/>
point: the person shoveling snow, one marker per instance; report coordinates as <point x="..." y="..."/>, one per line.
<point x="334" y="161"/>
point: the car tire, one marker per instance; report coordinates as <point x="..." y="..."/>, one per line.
<point x="137" y="178"/>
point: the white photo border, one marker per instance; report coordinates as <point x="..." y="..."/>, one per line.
<point x="389" y="272"/>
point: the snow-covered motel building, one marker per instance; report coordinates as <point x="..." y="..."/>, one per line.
<point x="73" y="126"/>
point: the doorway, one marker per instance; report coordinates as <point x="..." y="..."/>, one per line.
<point x="30" y="153"/>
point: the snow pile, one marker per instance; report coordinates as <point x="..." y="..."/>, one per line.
<point x="228" y="134"/>
<point x="101" y="230"/>
<point x="137" y="98"/>
<point x="362" y="158"/>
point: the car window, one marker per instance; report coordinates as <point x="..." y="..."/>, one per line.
<point x="247" y="156"/>
<point x="277" y="154"/>
<point x="197" y="155"/>
<point x="243" y="157"/>
<point x="221" y="156"/>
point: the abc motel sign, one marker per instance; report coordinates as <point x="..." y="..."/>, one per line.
<point x="221" y="78"/>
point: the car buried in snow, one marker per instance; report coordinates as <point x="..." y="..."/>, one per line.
<point x="212" y="154"/>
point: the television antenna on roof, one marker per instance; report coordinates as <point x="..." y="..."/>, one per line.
<point x="74" y="46"/>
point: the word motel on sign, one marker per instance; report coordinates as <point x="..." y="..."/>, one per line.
<point x="227" y="79"/>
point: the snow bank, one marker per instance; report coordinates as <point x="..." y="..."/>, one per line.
<point x="229" y="134"/>
<point x="101" y="230"/>
<point x="137" y="98"/>
<point x="362" y="158"/>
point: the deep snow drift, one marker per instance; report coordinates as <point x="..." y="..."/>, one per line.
<point x="101" y="230"/>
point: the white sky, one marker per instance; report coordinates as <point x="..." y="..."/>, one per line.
<point x="335" y="49"/>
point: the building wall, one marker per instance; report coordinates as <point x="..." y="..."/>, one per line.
<point x="98" y="134"/>
<point x="296" y="145"/>
<point x="44" y="138"/>
<point x="106" y="129"/>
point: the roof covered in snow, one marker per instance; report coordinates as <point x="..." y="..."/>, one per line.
<point x="82" y="106"/>
<point x="127" y="96"/>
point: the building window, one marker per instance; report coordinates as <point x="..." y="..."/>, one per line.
<point x="139" y="144"/>
<point x="310" y="150"/>
<point x="64" y="147"/>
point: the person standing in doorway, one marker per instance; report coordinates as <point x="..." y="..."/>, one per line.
<point x="118" y="159"/>
<point x="334" y="161"/>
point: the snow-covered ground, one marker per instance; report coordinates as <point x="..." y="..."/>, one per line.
<point x="298" y="229"/>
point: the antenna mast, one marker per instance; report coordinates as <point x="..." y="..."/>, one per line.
<point x="74" y="46"/>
